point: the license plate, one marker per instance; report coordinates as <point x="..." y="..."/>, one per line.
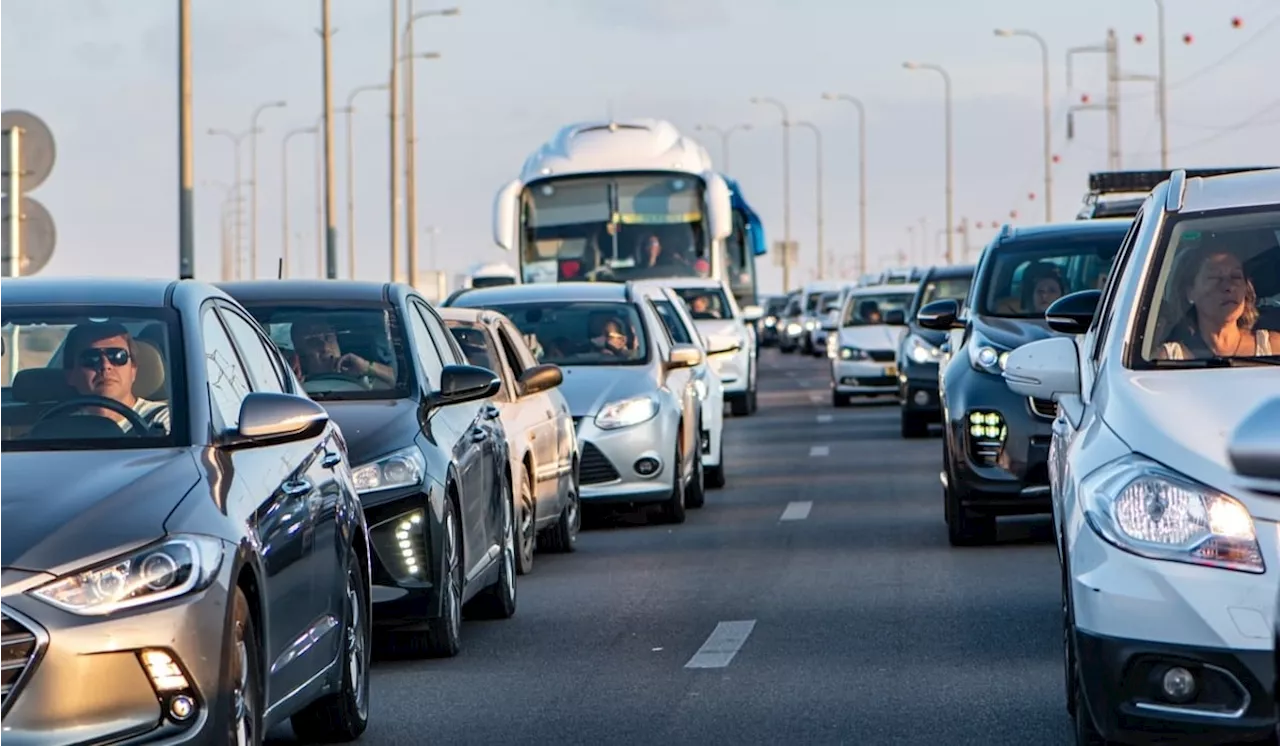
<point x="891" y="370"/>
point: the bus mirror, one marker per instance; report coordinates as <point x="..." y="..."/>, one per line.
<point x="719" y="207"/>
<point x="506" y="215"/>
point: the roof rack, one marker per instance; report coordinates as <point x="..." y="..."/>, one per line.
<point x="1114" y="182"/>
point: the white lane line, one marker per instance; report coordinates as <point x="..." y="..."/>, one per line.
<point x="804" y="384"/>
<point x="816" y="398"/>
<point x="820" y="451"/>
<point x="824" y="418"/>
<point x="791" y="374"/>
<point x="797" y="511"/>
<point x="724" y="643"/>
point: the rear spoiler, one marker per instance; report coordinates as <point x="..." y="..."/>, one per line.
<point x="1115" y="182"/>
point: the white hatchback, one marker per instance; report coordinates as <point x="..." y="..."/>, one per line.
<point x="863" y="342"/>
<point x="1168" y="540"/>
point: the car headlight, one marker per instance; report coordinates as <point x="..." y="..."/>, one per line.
<point x="402" y="468"/>
<point x="810" y="325"/>
<point x="769" y="321"/>
<point x="626" y="412"/>
<point x="169" y="568"/>
<point x="853" y="354"/>
<point x="793" y="328"/>
<point x="1152" y="511"/>
<point x="833" y="346"/>
<point x="921" y="351"/>
<point x="987" y="357"/>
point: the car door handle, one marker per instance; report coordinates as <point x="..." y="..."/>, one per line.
<point x="331" y="460"/>
<point x="491" y="411"/>
<point x="478" y="434"/>
<point x="296" y="488"/>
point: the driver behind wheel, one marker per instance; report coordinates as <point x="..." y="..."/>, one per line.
<point x="99" y="359"/>
<point x="316" y="343"/>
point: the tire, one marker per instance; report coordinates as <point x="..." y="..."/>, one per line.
<point x="739" y="406"/>
<point x="696" y="496"/>
<point x="1085" y="732"/>
<point x="753" y="401"/>
<point x="964" y="527"/>
<point x="243" y="669"/>
<point x="498" y="601"/>
<point x="840" y="400"/>
<point x="344" y="715"/>
<point x="526" y="522"/>
<point x="674" y="508"/>
<point x="913" y="425"/>
<point x="443" y="638"/>
<point x="715" y="474"/>
<point x="562" y="537"/>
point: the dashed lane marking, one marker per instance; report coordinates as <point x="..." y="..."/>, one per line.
<point x="723" y="644"/>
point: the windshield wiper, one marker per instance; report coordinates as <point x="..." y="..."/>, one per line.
<point x="1218" y="362"/>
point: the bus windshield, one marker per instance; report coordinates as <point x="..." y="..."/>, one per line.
<point x="614" y="228"/>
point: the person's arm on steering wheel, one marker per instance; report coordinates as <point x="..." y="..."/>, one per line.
<point x="357" y="365"/>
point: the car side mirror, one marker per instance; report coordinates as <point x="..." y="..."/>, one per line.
<point x="462" y="383"/>
<point x="268" y="417"/>
<point x="895" y="317"/>
<point x="540" y="378"/>
<point x="940" y="315"/>
<point x="752" y="313"/>
<point x="1044" y="369"/>
<point x="1072" y="314"/>
<point x="1254" y="448"/>
<point x="684" y="356"/>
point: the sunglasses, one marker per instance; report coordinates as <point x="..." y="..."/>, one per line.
<point x="94" y="357"/>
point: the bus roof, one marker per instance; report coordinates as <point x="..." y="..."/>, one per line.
<point x="616" y="145"/>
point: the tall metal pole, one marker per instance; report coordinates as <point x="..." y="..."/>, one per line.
<point x="1164" y="89"/>
<point x="411" y="133"/>
<point x="14" y="188"/>
<point x="724" y="139"/>
<point x="236" y="139"/>
<point x="186" y="168"/>
<point x="330" y="188"/>
<point x="786" y="188"/>
<point x="319" y="179"/>
<point x="1048" y="115"/>
<point x="254" y="130"/>
<point x="946" y="83"/>
<point x="284" y="193"/>
<point x="394" y="139"/>
<point x="817" y="138"/>
<point x="862" y="175"/>
<point x="351" y="179"/>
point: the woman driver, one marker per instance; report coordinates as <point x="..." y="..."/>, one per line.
<point x="1222" y="314"/>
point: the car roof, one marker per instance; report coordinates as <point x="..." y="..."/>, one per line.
<point x="482" y="316"/>
<point x="1245" y="189"/>
<point x="1074" y="229"/>
<point x="94" y="291"/>
<point x="543" y="292"/>
<point x="683" y="282"/>
<point x="905" y="288"/>
<point x="311" y="290"/>
<point x="946" y="271"/>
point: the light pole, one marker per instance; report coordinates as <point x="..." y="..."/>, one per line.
<point x="254" y="130"/>
<point x="351" y="179"/>
<point x="817" y="139"/>
<point x="946" y="82"/>
<point x="186" y="162"/>
<point x="862" y="175"/>
<point x="724" y="137"/>
<point x="231" y="196"/>
<point x="393" y="141"/>
<point x="786" y="187"/>
<point x="284" y="194"/>
<point x="1164" y="89"/>
<point x="1048" y="115"/>
<point x="330" y="188"/>
<point x="410" y="133"/>
<point x="236" y="140"/>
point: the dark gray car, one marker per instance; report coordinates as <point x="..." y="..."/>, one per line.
<point x="184" y="557"/>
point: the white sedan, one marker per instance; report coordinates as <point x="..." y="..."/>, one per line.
<point x="863" y="342"/>
<point x="1165" y="519"/>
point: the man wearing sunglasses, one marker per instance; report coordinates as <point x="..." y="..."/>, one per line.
<point x="100" y="360"/>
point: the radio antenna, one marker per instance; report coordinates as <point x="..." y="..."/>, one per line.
<point x="280" y="268"/>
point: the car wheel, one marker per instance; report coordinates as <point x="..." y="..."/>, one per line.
<point x="913" y="425"/>
<point x="498" y="601"/>
<point x="344" y="715"/>
<point x="674" y="507"/>
<point x="1068" y="655"/>
<point x="840" y="400"/>
<point x="964" y="527"/>
<point x="1086" y="733"/>
<point x="697" y="489"/>
<point x="715" y="474"/>
<point x="443" y="638"/>
<point x="526" y="525"/>
<point x="244" y="702"/>
<point x="563" y="536"/>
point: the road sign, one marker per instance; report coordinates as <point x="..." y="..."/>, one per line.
<point x="38" y="236"/>
<point x="38" y="151"/>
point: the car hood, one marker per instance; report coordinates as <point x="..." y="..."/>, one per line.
<point x="876" y="337"/>
<point x="1011" y="334"/>
<point x="64" y="510"/>
<point x="374" y="428"/>
<point x="587" y="388"/>
<point x="1185" y="419"/>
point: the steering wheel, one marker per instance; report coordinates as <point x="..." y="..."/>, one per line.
<point x="139" y="425"/>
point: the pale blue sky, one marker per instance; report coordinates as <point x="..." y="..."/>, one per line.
<point x="102" y="73"/>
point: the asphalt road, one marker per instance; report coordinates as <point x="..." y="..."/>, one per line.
<point x="827" y="551"/>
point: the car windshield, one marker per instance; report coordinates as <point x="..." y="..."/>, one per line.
<point x="580" y="332"/>
<point x="869" y="310"/>
<point x="706" y="303"/>
<point x="91" y="378"/>
<point x="946" y="288"/>
<point x="476" y="345"/>
<point x="1025" y="277"/>
<point x="340" y="352"/>
<point x="1214" y="297"/>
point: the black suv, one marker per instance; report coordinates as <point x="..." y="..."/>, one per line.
<point x="921" y="349"/>
<point x="995" y="442"/>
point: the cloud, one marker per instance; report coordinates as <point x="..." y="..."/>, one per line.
<point x="653" y="15"/>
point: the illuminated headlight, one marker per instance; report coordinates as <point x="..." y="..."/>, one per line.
<point x="853" y="354"/>
<point x="921" y="351"/>
<point x="793" y="328"/>
<point x="402" y="468"/>
<point x="833" y="346"/>
<point x="167" y="569"/>
<point x="770" y="321"/>
<point x="408" y="538"/>
<point x="986" y="357"/>
<point x="810" y="325"/>
<point x="987" y="426"/>
<point x="626" y="413"/>
<point x="1152" y="511"/>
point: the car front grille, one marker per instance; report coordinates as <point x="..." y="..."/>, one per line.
<point x="882" y="356"/>
<point x="1045" y="408"/>
<point x="18" y="649"/>
<point x="595" y="467"/>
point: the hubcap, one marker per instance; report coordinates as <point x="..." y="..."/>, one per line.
<point x="242" y="708"/>
<point x="355" y="651"/>
<point x="508" y="551"/>
<point x="575" y="516"/>
<point x="526" y="528"/>
<point x="453" y="591"/>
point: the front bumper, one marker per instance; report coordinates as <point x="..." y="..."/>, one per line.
<point x="608" y="465"/>
<point x="404" y="599"/>
<point x="864" y="376"/>
<point x="998" y="476"/>
<point x="85" y="681"/>
<point x="918" y="389"/>
<point x="1135" y="617"/>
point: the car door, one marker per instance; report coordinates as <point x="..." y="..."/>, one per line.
<point x="679" y="381"/>
<point x="537" y="419"/>
<point x="271" y="494"/>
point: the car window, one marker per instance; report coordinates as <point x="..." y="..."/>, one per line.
<point x="1102" y="319"/>
<point x="871" y="309"/>
<point x="515" y="360"/>
<point x="706" y="303"/>
<point x="450" y="353"/>
<point x="1025" y="277"/>
<point x="671" y="320"/>
<point x="945" y="288"/>
<point x="259" y="361"/>
<point x="425" y="348"/>
<point x="228" y="381"/>
<point x="581" y="332"/>
<point x="1214" y="289"/>
<point x="476" y="344"/>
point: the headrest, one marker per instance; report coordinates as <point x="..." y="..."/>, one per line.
<point x="150" y="382"/>
<point x="50" y="384"/>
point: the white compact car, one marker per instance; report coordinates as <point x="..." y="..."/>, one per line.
<point x="863" y="344"/>
<point x="1167" y="523"/>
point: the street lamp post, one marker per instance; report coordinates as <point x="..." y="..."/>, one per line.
<point x="393" y="141"/>
<point x="236" y="138"/>
<point x="351" y="179"/>
<point x="724" y="138"/>
<point x="862" y="175"/>
<point x="330" y="188"/>
<point x="284" y="195"/>
<point x="254" y="130"/>
<point x="786" y="187"/>
<point x="186" y="161"/>
<point x="946" y="82"/>
<point x="1163" y="89"/>
<point x="1048" y="115"/>
<point x="817" y="138"/>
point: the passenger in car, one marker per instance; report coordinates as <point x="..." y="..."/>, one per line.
<point x="101" y="359"/>
<point x="1223" y="311"/>
<point x="1042" y="284"/>
<point x="611" y="337"/>
<point x="316" y="343"/>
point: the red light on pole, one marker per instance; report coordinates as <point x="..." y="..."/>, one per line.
<point x="1084" y="98"/>
<point x="978" y="225"/>
<point x="1013" y="214"/>
<point x="1057" y="158"/>
<point x="1031" y="196"/>
<point x="1237" y="22"/>
<point x="1187" y="38"/>
<point x="1138" y="38"/>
